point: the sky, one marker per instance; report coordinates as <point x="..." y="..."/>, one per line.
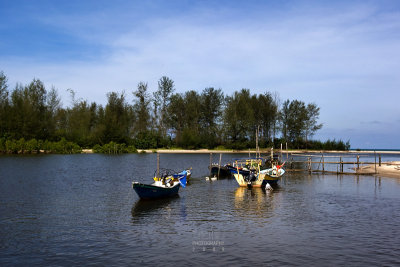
<point x="343" y="56"/>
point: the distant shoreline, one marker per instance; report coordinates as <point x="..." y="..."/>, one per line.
<point x="253" y="151"/>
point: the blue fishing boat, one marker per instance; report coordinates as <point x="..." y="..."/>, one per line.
<point x="188" y="174"/>
<point x="164" y="186"/>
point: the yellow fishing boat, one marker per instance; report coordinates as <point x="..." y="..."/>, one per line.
<point x="253" y="176"/>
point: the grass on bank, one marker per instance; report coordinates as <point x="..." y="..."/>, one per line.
<point x="33" y="146"/>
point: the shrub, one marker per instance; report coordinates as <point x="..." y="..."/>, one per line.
<point x="114" y="148"/>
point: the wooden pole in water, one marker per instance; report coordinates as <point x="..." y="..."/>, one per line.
<point x="287" y="152"/>
<point x="219" y="164"/>
<point x="310" y="164"/>
<point x="272" y="156"/>
<point x="323" y="163"/>
<point x="358" y="162"/>
<point x="210" y="163"/>
<point x="158" y="165"/>
<point x="342" y="165"/>
<point x="380" y="160"/>
<point x="375" y="160"/>
<point x="258" y="128"/>
<point x="237" y="169"/>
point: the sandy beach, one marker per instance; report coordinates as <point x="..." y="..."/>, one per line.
<point x="390" y="169"/>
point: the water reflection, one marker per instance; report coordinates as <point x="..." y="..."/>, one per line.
<point x="81" y="209"/>
<point x="147" y="207"/>
<point x="255" y="201"/>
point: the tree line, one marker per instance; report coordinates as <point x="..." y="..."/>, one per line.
<point x="163" y="119"/>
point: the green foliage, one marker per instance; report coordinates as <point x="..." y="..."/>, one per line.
<point x="244" y="114"/>
<point x="65" y="147"/>
<point x="114" y="148"/>
<point x="146" y="140"/>
<point x="189" y="139"/>
<point x="239" y="118"/>
<point x="21" y="146"/>
<point x="141" y="108"/>
<point x="177" y="113"/>
<point x="11" y="146"/>
<point x="319" y="145"/>
<point x="266" y="115"/>
<point x="210" y="116"/>
<point x="189" y="120"/>
<point x="299" y="122"/>
<point x="293" y="119"/>
<point x="4" y="105"/>
<point x="32" y="146"/>
<point x="195" y="119"/>
<point x="117" y="118"/>
<point x="162" y="98"/>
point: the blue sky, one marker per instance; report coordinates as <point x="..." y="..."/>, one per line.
<point x="342" y="55"/>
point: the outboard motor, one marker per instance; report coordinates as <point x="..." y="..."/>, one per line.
<point x="252" y="177"/>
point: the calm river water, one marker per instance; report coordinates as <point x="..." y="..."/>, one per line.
<point x="67" y="210"/>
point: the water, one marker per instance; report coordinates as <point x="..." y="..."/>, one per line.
<point x="68" y="210"/>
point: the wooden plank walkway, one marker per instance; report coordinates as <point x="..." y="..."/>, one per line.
<point x="310" y="164"/>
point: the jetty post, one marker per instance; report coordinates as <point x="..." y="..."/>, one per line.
<point x="219" y="163"/>
<point x="257" y="133"/>
<point x="287" y="152"/>
<point x="358" y="162"/>
<point x="340" y="162"/>
<point x="158" y="165"/>
<point x="341" y="165"/>
<point x="210" y="163"/>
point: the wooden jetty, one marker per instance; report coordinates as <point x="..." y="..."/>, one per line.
<point x="332" y="162"/>
<point x="326" y="164"/>
<point x="342" y="163"/>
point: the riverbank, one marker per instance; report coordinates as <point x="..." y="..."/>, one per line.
<point x="264" y="151"/>
<point x="253" y="151"/>
<point x="390" y="169"/>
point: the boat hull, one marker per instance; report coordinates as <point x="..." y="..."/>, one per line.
<point x="261" y="180"/>
<point x="222" y="171"/>
<point x="273" y="174"/>
<point x="234" y="170"/>
<point x="182" y="175"/>
<point x="146" y="191"/>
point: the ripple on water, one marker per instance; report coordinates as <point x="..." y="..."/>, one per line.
<point x="80" y="210"/>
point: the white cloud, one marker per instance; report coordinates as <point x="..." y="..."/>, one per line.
<point x="343" y="58"/>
